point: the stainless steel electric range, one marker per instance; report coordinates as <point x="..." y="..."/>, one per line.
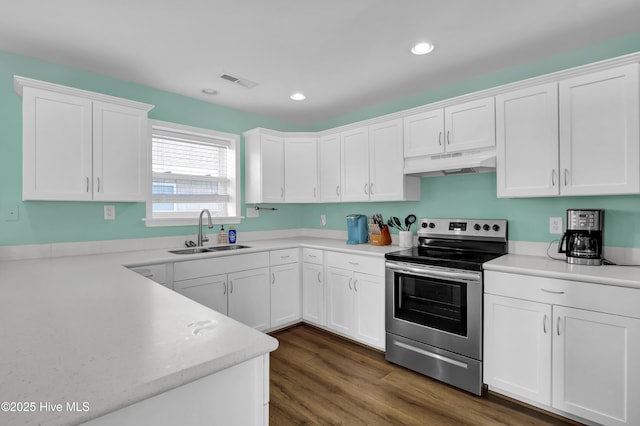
<point x="434" y="299"/>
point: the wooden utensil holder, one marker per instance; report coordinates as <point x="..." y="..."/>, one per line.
<point x="381" y="239"/>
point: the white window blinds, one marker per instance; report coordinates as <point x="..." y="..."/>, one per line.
<point x="190" y="172"/>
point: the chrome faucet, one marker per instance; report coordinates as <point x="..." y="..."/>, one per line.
<point x="201" y="237"/>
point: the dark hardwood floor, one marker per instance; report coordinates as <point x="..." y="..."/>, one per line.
<point x="320" y="379"/>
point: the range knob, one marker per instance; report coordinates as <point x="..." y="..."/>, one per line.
<point x="432" y="225"/>
<point x="424" y="224"/>
<point x="485" y="227"/>
<point x="496" y="227"/>
<point x="477" y="226"/>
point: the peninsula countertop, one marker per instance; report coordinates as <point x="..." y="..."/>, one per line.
<point x="86" y="329"/>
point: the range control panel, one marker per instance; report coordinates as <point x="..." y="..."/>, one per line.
<point x="471" y="228"/>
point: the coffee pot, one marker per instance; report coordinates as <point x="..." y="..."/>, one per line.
<point x="583" y="240"/>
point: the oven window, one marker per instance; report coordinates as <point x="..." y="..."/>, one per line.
<point x="431" y="302"/>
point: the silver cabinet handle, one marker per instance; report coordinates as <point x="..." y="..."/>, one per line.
<point x="312" y="255"/>
<point x="365" y="189"/>
<point x="551" y="291"/>
<point x="338" y="190"/>
<point x="285" y="257"/>
<point x="448" y="137"/>
<point x="354" y="263"/>
<point x="87" y="184"/>
<point x="566" y="177"/>
<point x="98" y="184"/>
<point x="350" y="288"/>
<point x="355" y="285"/>
<point x="371" y="189"/>
<point x="224" y="284"/>
<point x="282" y="192"/>
<point x="230" y="287"/>
<point x="558" y="326"/>
<point x="544" y="324"/>
<point x="440" y="138"/>
<point x="553" y="177"/>
<point x="314" y="192"/>
<point x="319" y="277"/>
<point x="273" y="278"/>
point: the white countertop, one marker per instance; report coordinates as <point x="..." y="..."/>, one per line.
<point x="624" y="276"/>
<point x="86" y="329"/>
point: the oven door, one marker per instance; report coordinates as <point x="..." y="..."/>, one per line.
<point x="440" y="307"/>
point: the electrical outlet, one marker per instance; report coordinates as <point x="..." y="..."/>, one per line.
<point x="109" y="212"/>
<point x="323" y="219"/>
<point x="251" y="212"/>
<point x="555" y="225"/>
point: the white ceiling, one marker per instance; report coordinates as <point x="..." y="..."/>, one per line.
<point x="343" y="54"/>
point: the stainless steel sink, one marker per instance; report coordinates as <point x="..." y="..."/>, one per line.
<point x="196" y="250"/>
<point x="229" y="247"/>
<point x="191" y="250"/>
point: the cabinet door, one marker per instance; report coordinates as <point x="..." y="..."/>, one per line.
<point x="369" y="309"/>
<point x="300" y="170"/>
<point x="272" y="151"/>
<point x="599" y="120"/>
<point x="285" y="294"/>
<point x="517" y="347"/>
<point x="120" y="147"/>
<point x="355" y="164"/>
<point x="56" y="146"/>
<point x="340" y="300"/>
<point x="208" y="291"/>
<point x="595" y="363"/>
<point x="313" y="294"/>
<point x="527" y="142"/>
<point x="249" y="297"/>
<point x="329" y="168"/>
<point x="470" y="125"/>
<point x="424" y="133"/>
<point x="386" y="161"/>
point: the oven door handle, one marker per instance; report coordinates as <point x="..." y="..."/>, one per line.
<point x="433" y="273"/>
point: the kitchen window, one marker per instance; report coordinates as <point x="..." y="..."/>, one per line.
<point x="192" y="169"/>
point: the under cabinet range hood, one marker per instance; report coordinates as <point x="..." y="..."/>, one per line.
<point x="451" y="163"/>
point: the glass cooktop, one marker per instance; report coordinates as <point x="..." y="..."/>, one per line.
<point x="469" y="260"/>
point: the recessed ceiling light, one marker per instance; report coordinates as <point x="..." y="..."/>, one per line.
<point x="298" y="96"/>
<point x="210" y="91"/>
<point x="422" y="48"/>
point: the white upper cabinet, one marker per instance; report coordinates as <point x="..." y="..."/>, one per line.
<point x="355" y="164"/>
<point x="576" y="137"/>
<point x="300" y="170"/>
<point x="82" y="146"/>
<point x="599" y="133"/>
<point x="372" y="164"/>
<point x="424" y="133"/>
<point x="329" y="168"/>
<point x="527" y="142"/>
<point x="264" y="167"/>
<point x="470" y="125"/>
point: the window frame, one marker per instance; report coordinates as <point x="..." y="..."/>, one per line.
<point x="183" y="219"/>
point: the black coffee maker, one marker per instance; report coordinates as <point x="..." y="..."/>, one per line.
<point x="582" y="242"/>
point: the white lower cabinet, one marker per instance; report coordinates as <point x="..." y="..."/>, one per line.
<point x="285" y="287"/>
<point x="248" y="296"/>
<point x="355" y="300"/>
<point x="313" y="294"/>
<point x="577" y="360"/>
<point x="237" y="286"/>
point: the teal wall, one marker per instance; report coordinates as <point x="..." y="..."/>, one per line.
<point x="462" y="195"/>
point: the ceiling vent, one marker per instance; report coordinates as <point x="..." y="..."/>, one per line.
<point x="239" y="80"/>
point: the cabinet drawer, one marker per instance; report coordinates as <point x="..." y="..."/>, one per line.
<point x="281" y="257"/>
<point x="367" y="264"/>
<point x="575" y="294"/>
<point x="219" y="265"/>
<point x="310" y="255"/>
<point x="157" y="273"/>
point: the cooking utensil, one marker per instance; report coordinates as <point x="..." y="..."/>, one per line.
<point x="410" y="220"/>
<point x="397" y="223"/>
<point x="390" y="224"/>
